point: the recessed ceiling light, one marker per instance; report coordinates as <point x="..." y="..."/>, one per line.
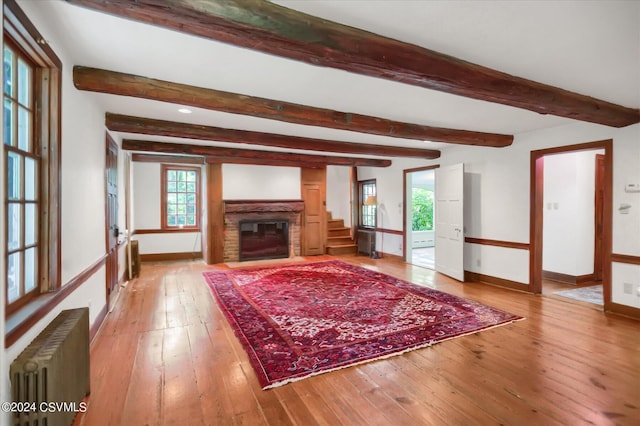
<point x="184" y="110"/>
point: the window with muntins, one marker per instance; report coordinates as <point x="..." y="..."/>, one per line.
<point x="368" y="203"/>
<point x="31" y="138"/>
<point x="22" y="161"/>
<point x="181" y="192"/>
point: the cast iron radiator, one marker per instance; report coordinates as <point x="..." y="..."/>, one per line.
<point x="50" y="378"/>
<point x="366" y="241"/>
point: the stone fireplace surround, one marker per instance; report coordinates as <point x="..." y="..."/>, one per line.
<point x="237" y="210"/>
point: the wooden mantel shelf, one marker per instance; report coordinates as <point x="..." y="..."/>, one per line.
<point x="259" y="206"/>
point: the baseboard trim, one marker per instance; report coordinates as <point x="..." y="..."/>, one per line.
<point x="98" y="322"/>
<point x="161" y="257"/>
<point x="624" y="310"/>
<point x="393" y="257"/>
<point x="500" y="282"/>
<point x="566" y="278"/>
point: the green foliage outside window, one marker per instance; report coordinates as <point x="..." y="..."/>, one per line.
<point x="422" y="209"/>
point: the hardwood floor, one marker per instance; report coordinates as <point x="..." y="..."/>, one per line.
<point x="166" y="355"/>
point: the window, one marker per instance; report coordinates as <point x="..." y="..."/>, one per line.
<point x="181" y="191"/>
<point x="31" y="125"/>
<point x="367" y="203"/>
<point x="22" y="165"/>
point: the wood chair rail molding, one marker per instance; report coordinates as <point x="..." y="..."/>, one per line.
<point x="497" y="243"/>
<point x="149" y="126"/>
<point x="244" y="156"/>
<point x="277" y="30"/>
<point x="117" y="83"/>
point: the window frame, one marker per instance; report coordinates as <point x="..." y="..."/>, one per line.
<point x="164" y="168"/>
<point x="362" y="194"/>
<point x="22" y="36"/>
<point x="31" y="151"/>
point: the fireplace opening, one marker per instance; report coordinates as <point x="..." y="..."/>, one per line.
<point x="263" y="239"/>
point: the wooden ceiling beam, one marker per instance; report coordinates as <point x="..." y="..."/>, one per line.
<point x="117" y="83"/>
<point x="246" y="156"/>
<point x="148" y="126"/>
<point x="270" y="28"/>
<point x="175" y="159"/>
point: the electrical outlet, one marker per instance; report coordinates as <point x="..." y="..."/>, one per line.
<point x="478" y="262"/>
<point x="628" y="288"/>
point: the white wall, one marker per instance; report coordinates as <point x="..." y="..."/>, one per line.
<point x="248" y="182"/>
<point x="146" y="199"/>
<point x="82" y="199"/>
<point x="146" y="214"/>
<point x="339" y="193"/>
<point x="569" y="211"/>
<point x="497" y="197"/>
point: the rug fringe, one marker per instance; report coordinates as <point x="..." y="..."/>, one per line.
<point x="386" y="356"/>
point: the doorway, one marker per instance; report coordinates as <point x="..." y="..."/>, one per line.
<point x="419" y="227"/>
<point x="111" y="218"/>
<point x="562" y="252"/>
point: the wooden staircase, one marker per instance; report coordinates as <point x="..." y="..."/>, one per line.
<point x="339" y="237"/>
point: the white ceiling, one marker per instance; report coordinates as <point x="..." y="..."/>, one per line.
<point x="590" y="47"/>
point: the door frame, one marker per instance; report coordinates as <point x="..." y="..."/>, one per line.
<point x="111" y="275"/>
<point x="405" y="172"/>
<point x="598" y="220"/>
<point x="537" y="205"/>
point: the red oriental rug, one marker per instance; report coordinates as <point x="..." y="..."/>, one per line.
<point x="299" y="320"/>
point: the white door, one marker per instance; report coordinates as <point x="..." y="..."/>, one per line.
<point x="450" y="221"/>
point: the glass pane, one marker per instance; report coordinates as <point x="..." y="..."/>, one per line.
<point x="191" y="220"/>
<point x="30" y="234"/>
<point x="182" y="176"/>
<point x="191" y="198"/>
<point x="171" y="175"/>
<point x="24" y="82"/>
<point x="171" y="187"/>
<point x="191" y="187"/>
<point x="191" y="209"/>
<point x="24" y="129"/>
<point x="191" y="176"/>
<point x="171" y="198"/>
<point x="171" y="220"/>
<point x="30" y="178"/>
<point x="182" y="209"/>
<point x="14" y="176"/>
<point x="13" y="277"/>
<point x="8" y="71"/>
<point x="182" y="220"/>
<point x="8" y="122"/>
<point x="182" y="187"/>
<point x="30" y="270"/>
<point x="171" y="209"/>
<point x="14" y="219"/>
<point x="182" y="198"/>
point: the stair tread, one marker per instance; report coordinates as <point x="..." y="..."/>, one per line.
<point x="341" y="245"/>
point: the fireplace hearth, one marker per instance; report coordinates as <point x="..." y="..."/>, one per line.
<point x="262" y="214"/>
<point x="263" y="239"/>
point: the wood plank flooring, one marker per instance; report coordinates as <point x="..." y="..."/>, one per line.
<point x="166" y="355"/>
